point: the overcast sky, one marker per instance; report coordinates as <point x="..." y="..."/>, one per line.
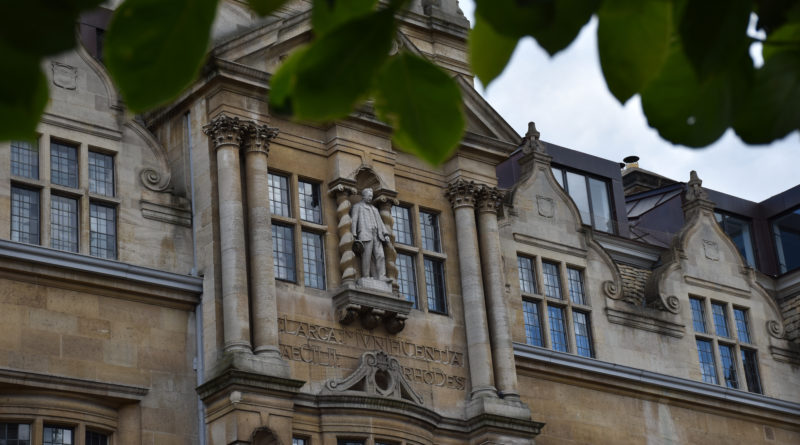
<point x="568" y="99"/>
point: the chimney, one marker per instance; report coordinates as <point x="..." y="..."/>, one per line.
<point x="631" y="162"/>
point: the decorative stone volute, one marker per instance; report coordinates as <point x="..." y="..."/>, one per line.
<point x="377" y="375"/>
<point x="490" y="199"/>
<point x="461" y="193"/>
<point x="258" y="137"/>
<point x="225" y="131"/>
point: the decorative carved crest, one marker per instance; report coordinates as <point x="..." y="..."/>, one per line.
<point x="531" y="142"/>
<point x="377" y="375"/>
<point x="694" y="189"/>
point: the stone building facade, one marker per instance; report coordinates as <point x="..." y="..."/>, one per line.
<point x="189" y="276"/>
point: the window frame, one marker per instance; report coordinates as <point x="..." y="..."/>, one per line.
<point x="780" y="258"/>
<point x="586" y="176"/>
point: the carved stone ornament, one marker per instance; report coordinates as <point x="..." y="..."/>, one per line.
<point x="225" y="131"/>
<point x="461" y="193"/>
<point x="65" y="76"/>
<point x="372" y="307"/>
<point x="711" y="250"/>
<point x="531" y="142"/>
<point x="258" y="137"/>
<point x="775" y="329"/>
<point x="694" y="189"/>
<point x="369" y="237"/>
<point x="546" y="206"/>
<point x="377" y="375"/>
<point x="490" y="199"/>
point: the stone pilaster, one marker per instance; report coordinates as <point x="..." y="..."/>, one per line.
<point x="262" y="275"/>
<point x="489" y="200"/>
<point x="226" y="134"/>
<point x="462" y="195"/>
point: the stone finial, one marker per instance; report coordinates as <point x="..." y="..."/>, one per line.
<point x="531" y="142"/>
<point x="489" y="199"/>
<point x="258" y="137"/>
<point x="461" y="193"/>
<point x="694" y="190"/>
<point x="225" y="131"/>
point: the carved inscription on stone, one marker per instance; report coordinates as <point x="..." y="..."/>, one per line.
<point x="546" y="206"/>
<point x="711" y="250"/>
<point x="335" y="347"/>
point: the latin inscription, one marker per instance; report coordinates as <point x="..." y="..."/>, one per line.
<point x="330" y="356"/>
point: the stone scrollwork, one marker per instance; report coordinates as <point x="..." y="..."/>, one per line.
<point x="775" y="329"/>
<point x="666" y="303"/>
<point x="153" y="180"/>
<point x="347" y="258"/>
<point x="611" y="290"/>
<point x="377" y="375"/>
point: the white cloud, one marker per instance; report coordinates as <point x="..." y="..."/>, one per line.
<point x="568" y="99"/>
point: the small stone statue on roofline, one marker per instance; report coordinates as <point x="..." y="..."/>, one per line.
<point x="370" y="235"/>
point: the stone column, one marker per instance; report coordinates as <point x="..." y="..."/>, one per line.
<point x="347" y="259"/>
<point x="462" y="197"/>
<point x="262" y="273"/>
<point x="226" y="133"/>
<point x="489" y="201"/>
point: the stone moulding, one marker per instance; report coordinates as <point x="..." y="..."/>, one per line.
<point x="35" y="380"/>
<point x="377" y="375"/>
<point x="372" y="307"/>
<point x="646" y="323"/>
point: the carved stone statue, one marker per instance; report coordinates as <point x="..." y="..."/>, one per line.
<point x="370" y="234"/>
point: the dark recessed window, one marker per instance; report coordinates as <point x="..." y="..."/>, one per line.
<point x="283" y="252"/>
<point x="56" y="435"/>
<point x="429" y="228"/>
<point x="25" y="159"/>
<point x="94" y="438"/>
<point x="24" y="215"/>
<point x="15" y="433"/>
<point x="63" y="223"/>
<point x="434" y="285"/>
<point x="575" y="278"/>
<point x="742" y="328"/>
<point x="313" y="260"/>
<point x="786" y="230"/>
<point x="583" y="334"/>
<point x="738" y="229"/>
<point x="698" y="315"/>
<point x="308" y="194"/>
<point x="552" y="280"/>
<point x="406" y="277"/>
<point x="706" y="357"/>
<point x="558" y="330"/>
<point x="527" y="278"/>
<point x="64" y="164"/>
<point x="728" y="359"/>
<point x="533" y="323"/>
<point x="750" y="363"/>
<point x="720" y="321"/>
<point x="402" y="225"/>
<point x="101" y="174"/>
<point x="102" y="231"/>
<point x="278" y="195"/>
<point x="591" y="196"/>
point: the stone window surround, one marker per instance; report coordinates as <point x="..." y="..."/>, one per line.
<point x="731" y="340"/>
<point x="564" y="302"/>
<point x="299" y="226"/>
<point x="39" y="422"/>
<point x="419" y="254"/>
<point x="47" y="189"/>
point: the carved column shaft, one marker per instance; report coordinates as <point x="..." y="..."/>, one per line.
<point x="462" y="197"/>
<point x="226" y="133"/>
<point x="262" y="275"/>
<point x="347" y="259"/>
<point x="489" y="200"/>
<point x="385" y="207"/>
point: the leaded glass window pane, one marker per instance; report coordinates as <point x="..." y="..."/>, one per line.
<point x="720" y="322"/>
<point x="313" y="260"/>
<point x="576" y="291"/>
<point x="434" y="285"/>
<point x="406" y="277"/>
<point x="63" y="223"/>
<point x="54" y="435"/>
<point x="583" y="334"/>
<point x="742" y="329"/>
<point x="558" y="330"/>
<point x="103" y="231"/>
<point x="93" y="438"/>
<point x="552" y="281"/>
<point x="24" y="215"/>
<point x="278" y="195"/>
<point x="402" y="225"/>
<point x="25" y="159"/>
<point x="283" y="252"/>
<point x="527" y="279"/>
<point x="310" y="209"/>
<point x="706" y="357"/>
<point x="533" y="323"/>
<point x="15" y="434"/>
<point x="728" y="359"/>
<point x="750" y="362"/>
<point x="296" y="441"/>
<point x="698" y="315"/>
<point x="429" y="226"/>
<point x="64" y="164"/>
<point x="101" y="174"/>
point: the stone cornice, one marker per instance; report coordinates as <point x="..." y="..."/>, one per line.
<point x="40" y="265"/>
<point x="70" y="384"/>
<point x="611" y="376"/>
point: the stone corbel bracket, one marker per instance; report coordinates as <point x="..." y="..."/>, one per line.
<point x="377" y="375"/>
<point x="372" y="308"/>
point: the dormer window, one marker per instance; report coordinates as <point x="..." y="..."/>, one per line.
<point x="590" y="195"/>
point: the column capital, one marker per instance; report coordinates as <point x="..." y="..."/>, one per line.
<point x="258" y="137"/>
<point x="490" y="199"/>
<point x="225" y="131"/>
<point x="462" y="193"/>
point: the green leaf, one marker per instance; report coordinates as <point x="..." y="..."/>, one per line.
<point x="785" y="38"/>
<point x="683" y="109"/>
<point x="23" y="94"/>
<point x="155" y="49"/>
<point x="337" y="71"/>
<point x="54" y="29"/>
<point x="770" y="110"/>
<point x="714" y="33"/>
<point x="553" y="23"/>
<point x="328" y="14"/>
<point x="489" y="51"/>
<point x="633" y="41"/>
<point x="423" y="104"/>
<point x="282" y="83"/>
<point x="265" y="7"/>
